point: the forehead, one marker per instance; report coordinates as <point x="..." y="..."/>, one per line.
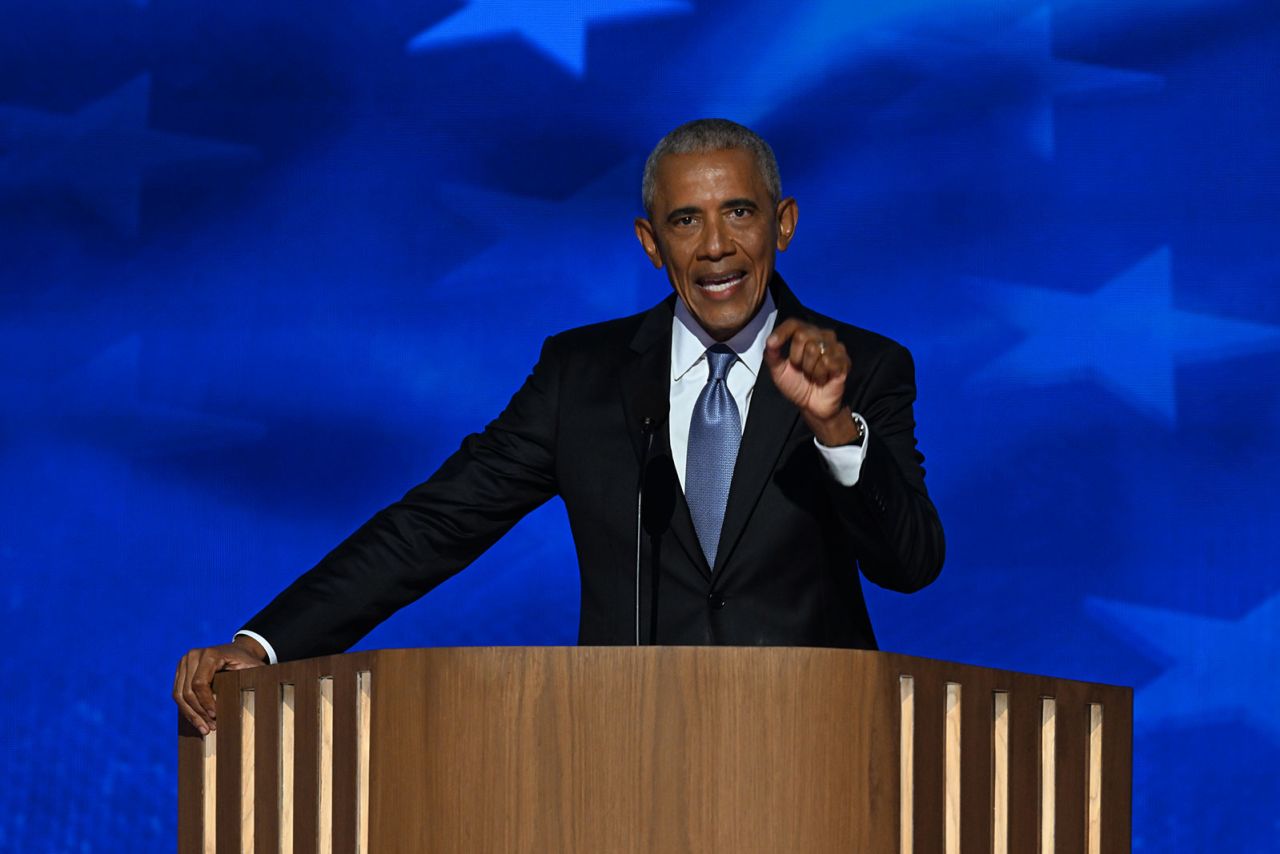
<point x="708" y="177"/>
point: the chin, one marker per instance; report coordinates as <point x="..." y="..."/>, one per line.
<point x="723" y="324"/>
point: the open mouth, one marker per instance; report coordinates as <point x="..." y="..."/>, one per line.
<point x="721" y="283"/>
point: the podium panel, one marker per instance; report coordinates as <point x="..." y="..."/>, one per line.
<point x="655" y="749"/>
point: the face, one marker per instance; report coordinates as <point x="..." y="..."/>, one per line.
<point x="715" y="229"/>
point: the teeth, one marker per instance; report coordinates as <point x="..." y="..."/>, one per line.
<point x="721" y="286"/>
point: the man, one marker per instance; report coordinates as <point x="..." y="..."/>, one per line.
<point x="776" y="448"/>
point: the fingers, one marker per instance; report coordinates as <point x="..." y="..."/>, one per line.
<point x="814" y="352"/>
<point x="781" y="335"/>
<point x="186" y="699"/>
<point x="210" y="662"/>
<point x="193" y="683"/>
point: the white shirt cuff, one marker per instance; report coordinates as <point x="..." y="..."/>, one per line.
<point x="845" y="461"/>
<point x="271" y="653"/>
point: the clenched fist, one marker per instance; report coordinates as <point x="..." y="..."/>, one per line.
<point x="811" y="375"/>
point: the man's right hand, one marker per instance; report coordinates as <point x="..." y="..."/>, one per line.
<point x="193" y="683"/>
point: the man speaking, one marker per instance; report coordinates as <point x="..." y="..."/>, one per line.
<point x="775" y="448"/>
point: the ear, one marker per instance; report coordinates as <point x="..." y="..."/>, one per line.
<point x="648" y="241"/>
<point x="788" y="213"/>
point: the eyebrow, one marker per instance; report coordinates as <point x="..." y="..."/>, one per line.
<point x="739" y="203"/>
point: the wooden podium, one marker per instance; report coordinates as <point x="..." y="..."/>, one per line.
<point x="655" y="749"/>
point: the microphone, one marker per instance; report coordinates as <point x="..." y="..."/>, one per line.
<point x="650" y="406"/>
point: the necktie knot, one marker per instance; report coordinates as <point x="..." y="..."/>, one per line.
<point x="721" y="359"/>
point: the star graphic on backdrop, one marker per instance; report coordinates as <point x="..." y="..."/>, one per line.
<point x="558" y="28"/>
<point x="1015" y="71"/>
<point x="1217" y="667"/>
<point x="804" y="46"/>
<point x="98" y="156"/>
<point x="1014" y="74"/>
<point x="1128" y="336"/>
<point x="589" y="260"/>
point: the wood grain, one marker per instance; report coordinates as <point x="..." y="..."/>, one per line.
<point x="190" y="788"/>
<point x="1072" y="780"/>
<point x="344" y="762"/>
<point x="248" y="764"/>
<point x="655" y="749"/>
<point x="288" y="795"/>
<point x="1024" y="766"/>
<point x="1000" y="774"/>
<point x="306" y="766"/>
<point x="266" y="813"/>
<point x="951" y="761"/>
<point x="930" y="753"/>
<point x="1117" y="774"/>
<point x="228" y="751"/>
<point x="978" y="704"/>
<point x="907" y="766"/>
<point x="1093" y="834"/>
<point x="364" y="713"/>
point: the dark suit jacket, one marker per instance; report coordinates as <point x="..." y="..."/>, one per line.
<point x="792" y="543"/>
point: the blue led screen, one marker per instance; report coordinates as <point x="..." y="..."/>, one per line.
<point x="263" y="265"/>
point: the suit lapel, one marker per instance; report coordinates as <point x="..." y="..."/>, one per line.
<point x="650" y="366"/>
<point x="647" y="372"/>
<point x="770" y="421"/>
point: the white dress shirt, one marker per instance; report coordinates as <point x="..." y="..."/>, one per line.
<point x="689" y="371"/>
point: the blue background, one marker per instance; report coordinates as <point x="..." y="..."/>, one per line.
<point x="263" y="265"/>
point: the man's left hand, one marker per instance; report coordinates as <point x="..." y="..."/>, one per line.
<point x="811" y="375"/>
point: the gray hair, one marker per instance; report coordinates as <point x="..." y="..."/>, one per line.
<point x="702" y="135"/>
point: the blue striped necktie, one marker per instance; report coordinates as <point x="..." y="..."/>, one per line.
<point x="714" y="435"/>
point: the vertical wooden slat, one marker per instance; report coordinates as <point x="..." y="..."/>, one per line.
<point x="324" y="771"/>
<point x="248" y="763"/>
<point x="906" y="764"/>
<point x="1000" y="773"/>
<point x="975" y="765"/>
<point x="229" y="764"/>
<point x="929" y="772"/>
<point x="288" y="765"/>
<point x="266" y="812"/>
<point x="344" y="761"/>
<point x="1048" y="775"/>
<point x="364" y="717"/>
<point x="1093" y="833"/>
<point x="190" y="782"/>
<point x="1117" y="776"/>
<point x="1024" y="767"/>
<point x="951" y="768"/>
<point x="1072" y="741"/>
<point x="209" y="794"/>
<point x="306" y="780"/>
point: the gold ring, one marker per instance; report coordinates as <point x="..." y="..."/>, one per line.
<point x="822" y="348"/>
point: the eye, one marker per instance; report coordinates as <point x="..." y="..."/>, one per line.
<point x="684" y="221"/>
<point x="740" y="213"/>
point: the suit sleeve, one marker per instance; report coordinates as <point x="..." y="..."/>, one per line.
<point x="433" y="532"/>
<point x="895" y="527"/>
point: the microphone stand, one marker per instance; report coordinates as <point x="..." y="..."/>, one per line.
<point x="647" y="425"/>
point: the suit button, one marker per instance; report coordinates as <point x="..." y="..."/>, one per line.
<point x="715" y="602"/>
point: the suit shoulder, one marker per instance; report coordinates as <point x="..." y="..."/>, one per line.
<point x="595" y="337"/>
<point x="863" y="340"/>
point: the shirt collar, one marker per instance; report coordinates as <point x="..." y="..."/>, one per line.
<point x="689" y="341"/>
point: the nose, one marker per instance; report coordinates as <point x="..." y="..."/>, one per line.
<point x="715" y="242"/>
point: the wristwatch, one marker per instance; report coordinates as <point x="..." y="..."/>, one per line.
<point x="862" y="429"/>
